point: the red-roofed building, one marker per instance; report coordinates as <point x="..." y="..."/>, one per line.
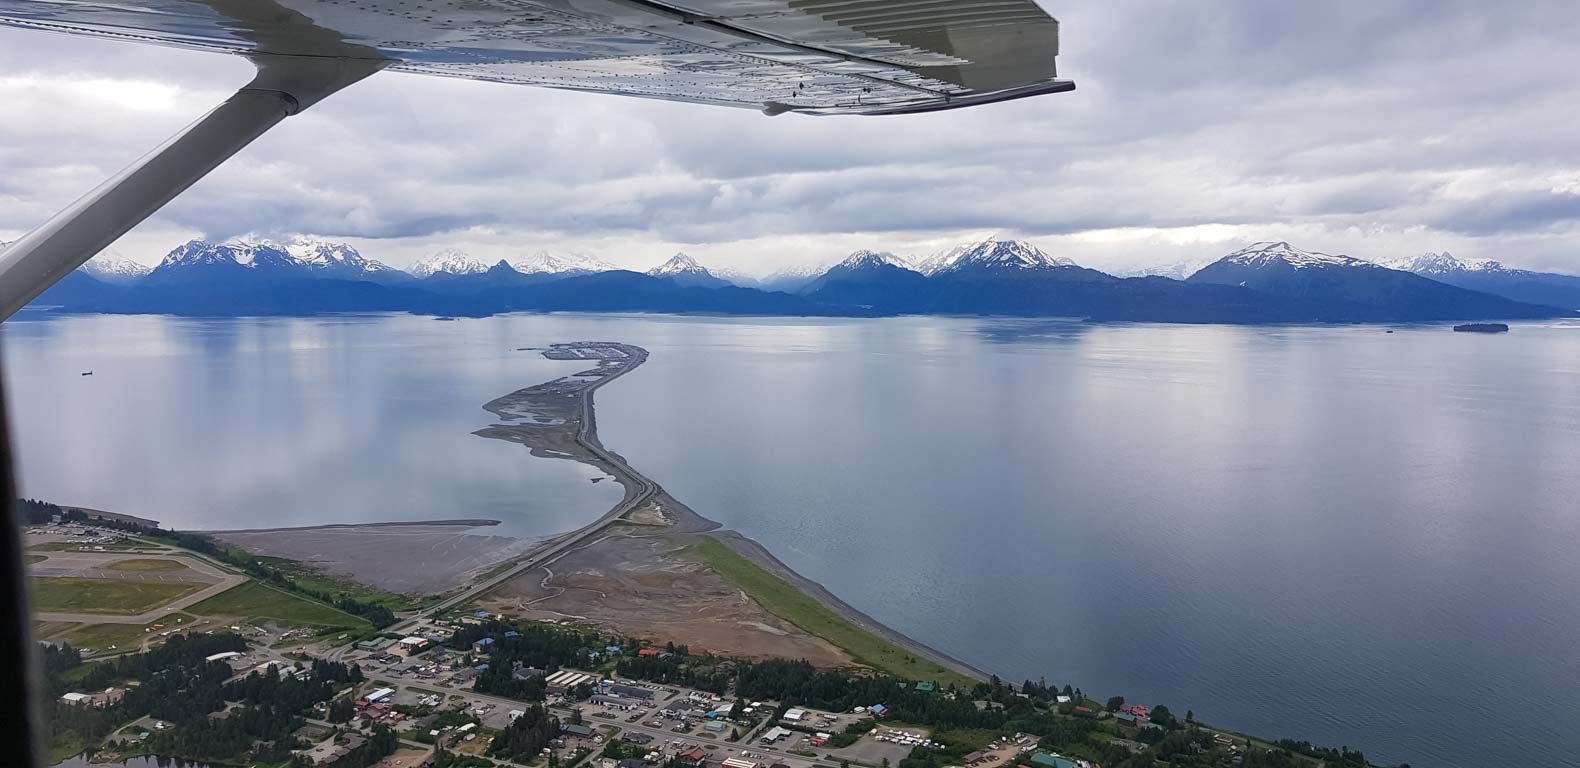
<point x="647" y="652"/>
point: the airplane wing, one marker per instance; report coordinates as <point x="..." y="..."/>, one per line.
<point x="813" y="56"/>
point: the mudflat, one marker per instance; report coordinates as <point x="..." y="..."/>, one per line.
<point x="407" y="558"/>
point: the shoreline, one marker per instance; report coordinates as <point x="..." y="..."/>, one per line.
<point x="641" y="490"/>
<point x="452" y="522"/>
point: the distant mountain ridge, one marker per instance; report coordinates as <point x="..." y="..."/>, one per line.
<point x="546" y="263"/>
<point x="1354" y="289"/>
<point x="1490" y="276"/>
<point x="1272" y="282"/>
<point x="450" y="261"/>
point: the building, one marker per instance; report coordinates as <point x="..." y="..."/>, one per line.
<point x="375" y="644"/>
<point x="717" y="726"/>
<point x="411" y="646"/>
<point x="566" y="679"/>
<point x="1125" y="718"/>
<point x="926" y="687"/>
<point x="75" y="698"/>
<point x="379" y="695"/>
<point x="632" y="762"/>
<point x="973" y="758"/>
<point x="694" y="756"/>
<point x="878" y="710"/>
<point x="647" y="652"/>
<point x="736" y="762"/>
<point x="226" y="656"/>
<point x="573" y="729"/>
<point x="1044" y="760"/>
<point x="774" y="734"/>
<point x="631" y="692"/>
<point x="795" y="715"/>
<point x="483" y="645"/>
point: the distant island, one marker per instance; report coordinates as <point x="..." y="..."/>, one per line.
<point x="1264" y="283"/>
<point x="1482" y="328"/>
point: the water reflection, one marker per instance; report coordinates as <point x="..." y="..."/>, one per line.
<point x="1329" y="533"/>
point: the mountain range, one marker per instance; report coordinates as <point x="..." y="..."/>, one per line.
<point x="1490" y="276"/>
<point x="1264" y="283"/>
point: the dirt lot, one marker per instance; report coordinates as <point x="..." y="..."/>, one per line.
<point x="409" y="558"/>
<point x="405" y="757"/>
<point x="638" y="581"/>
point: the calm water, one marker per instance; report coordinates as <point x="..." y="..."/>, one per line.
<point x="1328" y="533"/>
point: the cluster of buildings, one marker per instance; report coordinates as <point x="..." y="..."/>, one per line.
<point x="97" y="700"/>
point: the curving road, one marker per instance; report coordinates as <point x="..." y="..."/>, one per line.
<point x="638" y="490"/>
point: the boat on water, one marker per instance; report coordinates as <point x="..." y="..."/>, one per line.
<point x="1482" y="328"/>
<point x="87" y="373"/>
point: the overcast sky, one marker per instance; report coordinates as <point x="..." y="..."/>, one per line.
<point x="1377" y="128"/>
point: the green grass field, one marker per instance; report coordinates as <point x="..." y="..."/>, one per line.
<point x="309" y="578"/>
<point x="63" y="546"/>
<point x="72" y="594"/>
<point x="258" y="602"/>
<point x="119" y="638"/>
<point x="148" y="564"/>
<point x="785" y="601"/>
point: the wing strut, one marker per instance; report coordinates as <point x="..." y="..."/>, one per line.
<point x="284" y="86"/>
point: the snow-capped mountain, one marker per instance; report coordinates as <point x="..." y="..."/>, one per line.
<point x="449" y="261"/>
<point x="1179" y="270"/>
<point x="547" y="263"/>
<point x="1437" y="264"/>
<point x="1491" y="276"/>
<point x="334" y="259"/>
<point x="679" y="264"/>
<point x="1281" y="253"/>
<point x="302" y="258"/>
<point x="1328" y="285"/>
<point x="793" y="278"/>
<point x="870" y="278"/>
<point x="735" y="277"/>
<point x="256" y="256"/>
<point x="865" y="259"/>
<point x="994" y="255"/>
<point x="112" y="267"/>
<point x="685" y="271"/>
<point x="936" y="261"/>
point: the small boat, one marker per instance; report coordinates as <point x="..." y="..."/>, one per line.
<point x="87" y="373"/>
<point x="1482" y="328"/>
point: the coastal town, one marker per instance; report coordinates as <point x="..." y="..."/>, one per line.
<point x="281" y="683"/>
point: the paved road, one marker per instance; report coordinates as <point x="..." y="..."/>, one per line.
<point x="639" y="490"/>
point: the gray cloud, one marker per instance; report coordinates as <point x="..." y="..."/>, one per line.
<point x="1375" y="127"/>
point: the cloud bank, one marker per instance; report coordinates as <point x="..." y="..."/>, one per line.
<point x="1378" y="128"/>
